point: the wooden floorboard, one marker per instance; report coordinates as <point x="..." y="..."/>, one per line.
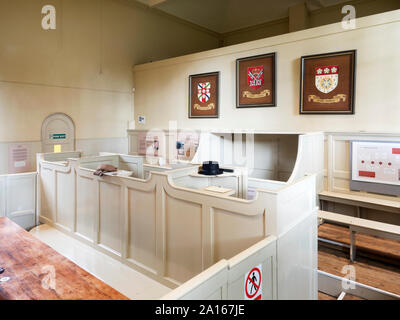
<point x="387" y="249"/>
<point x="351" y="297"/>
<point x="28" y="263"/>
<point x="372" y="273"/>
<point x="323" y="296"/>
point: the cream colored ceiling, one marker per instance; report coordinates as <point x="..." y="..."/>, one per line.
<point x="227" y="15"/>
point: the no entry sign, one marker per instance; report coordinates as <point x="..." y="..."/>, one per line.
<point x="253" y="284"/>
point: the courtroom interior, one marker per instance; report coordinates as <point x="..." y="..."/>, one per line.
<point x="197" y="150"/>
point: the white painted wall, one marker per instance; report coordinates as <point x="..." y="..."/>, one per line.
<point x="83" y="68"/>
<point x="162" y="87"/>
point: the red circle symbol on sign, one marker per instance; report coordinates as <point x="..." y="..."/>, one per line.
<point x="253" y="281"/>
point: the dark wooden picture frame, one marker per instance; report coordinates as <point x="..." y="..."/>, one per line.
<point x="327" y="83"/>
<point x="256" y="81"/>
<point x="204" y="104"/>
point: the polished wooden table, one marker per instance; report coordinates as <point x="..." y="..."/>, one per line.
<point x="37" y="272"/>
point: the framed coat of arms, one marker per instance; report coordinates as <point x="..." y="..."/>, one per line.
<point x="204" y="95"/>
<point x="327" y="83"/>
<point x="255" y="81"/>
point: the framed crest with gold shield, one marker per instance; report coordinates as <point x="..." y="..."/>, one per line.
<point x="204" y="95"/>
<point x="327" y="83"/>
<point x="255" y="81"/>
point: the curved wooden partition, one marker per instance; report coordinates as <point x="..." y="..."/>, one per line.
<point x="173" y="233"/>
<point x="310" y="158"/>
<point x="227" y="279"/>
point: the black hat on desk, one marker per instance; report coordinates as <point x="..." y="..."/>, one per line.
<point x="211" y="168"/>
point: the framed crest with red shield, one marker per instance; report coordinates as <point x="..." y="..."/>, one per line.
<point x="204" y="95"/>
<point x="327" y="83"/>
<point x="255" y="81"/>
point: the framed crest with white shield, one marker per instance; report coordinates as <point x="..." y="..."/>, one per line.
<point x="255" y="81"/>
<point x="204" y="95"/>
<point x="327" y="83"/>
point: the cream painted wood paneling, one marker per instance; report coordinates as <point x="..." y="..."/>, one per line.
<point x="183" y="238"/>
<point x="325" y="163"/>
<point x="266" y="155"/>
<point x="173" y="233"/>
<point x="231" y="233"/>
<point x="266" y="158"/>
<point x="65" y="200"/>
<point x="376" y="84"/>
<point x="110" y="218"/>
<point x="236" y="286"/>
<point x="47" y="188"/>
<point x="342" y="151"/>
<point x="293" y="203"/>
<point x="87" y="206"/>
<point x="288" y="147"/>
<point x="134" y="165"/>
<point x="196" y="181"/>
<point x="295" y="268"/>
<point x="94" y="161"/>
<point x="226" y="278"/>
<point x="208" y="285"/>
<point x="192" y="182"/>
<point x="262" y="253"/>
<point x="142" y="227"/>
<point x="18" y="198"/>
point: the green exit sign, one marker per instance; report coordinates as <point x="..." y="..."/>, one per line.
<point x="58" y="136"/>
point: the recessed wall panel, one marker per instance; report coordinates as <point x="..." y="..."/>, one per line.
<point x="110" y="232"/>
<point x="142" y="227"/>
<point x="342" y="155"/>
<point x="47" y="194"/>
<point x="183" y="227"/>
<point x="86" y="206"/>
<point x="234" y="233"/>
<point x="65" y="199"/>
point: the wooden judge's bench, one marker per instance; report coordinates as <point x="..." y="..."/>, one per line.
<point x="34" y="271"/>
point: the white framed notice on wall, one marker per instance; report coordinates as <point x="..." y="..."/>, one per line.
<point x="375" y="166"/>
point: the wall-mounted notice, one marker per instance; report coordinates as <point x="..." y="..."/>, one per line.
<point x="18" y="159"/>
<point x="375" y="166"/>
<point x="377" y="162"/>
<point x="142" y="143"/>
<point x="152" y="146"/>
<point x="187" y="145"/>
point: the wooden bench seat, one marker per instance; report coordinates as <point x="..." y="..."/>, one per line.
<point x="355" y="224"/>
<point x="362" y="223"/>
<point x="371" y="247"/>
<point x="378" y="202"/>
